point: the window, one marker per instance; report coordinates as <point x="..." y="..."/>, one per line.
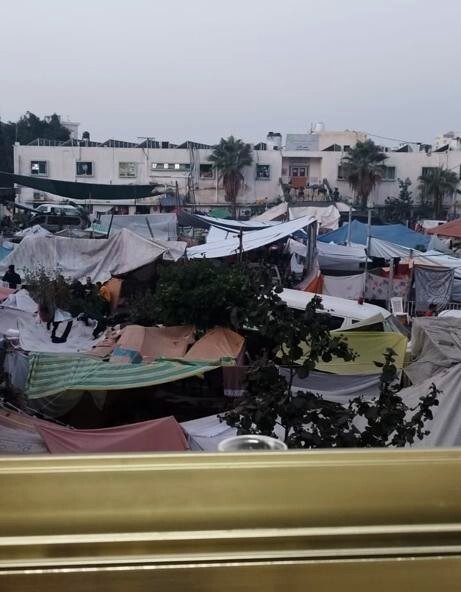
<point x="388" y="173"/>
<point x="427" y="171"/>
<point x="298" y="171"/>
<point x="84" y="169"/>
<point x="206" y="171"/>
<point x="263" y="172"/>
<point x="341" y="173"/>
<point x="39" y="167"/>
<point x="127" y="169"/>
<point x="346" y="148"/>
<point x="170" y="166"/>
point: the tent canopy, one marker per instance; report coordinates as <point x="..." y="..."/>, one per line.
<point x="250" y="240"/>
<point x="450" y="229"/>
<point x="81" y="190"/>
<point x="393" y="233"/>
<point x="327" y="217"/>
<point x="77" y="258"/>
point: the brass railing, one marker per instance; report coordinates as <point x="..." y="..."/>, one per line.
<point x="321" y="520"/>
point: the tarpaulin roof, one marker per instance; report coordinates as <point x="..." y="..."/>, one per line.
<point x="236" y="225"/>
<point x="77" y="258"/>
<point x="327" y="217"/>
<point x="250" y="240"/>
<point x="163" y="226"/>
<point x="81" y="190"/>
<point x="451" y="229"/>
<point x="340" y="257"/>
<point x="393" y="233"/>
<point x="272" y="213"/>
<point x="138" y="344"/>
<point x="158" y="435"/>
<point x="217" y="343"/>
<point x="50" y="374"/>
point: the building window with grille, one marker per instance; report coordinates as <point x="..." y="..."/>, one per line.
<point x="388" y="173"/>
<point x="263" y="172"/>
<point x="341" y="173"/>
<point x="427" y="171"/>
<point x="171" y="166"/>
<point x="206" y="171"/>
<point x="84" y="169"/>
<point x="39" y="167"/>
<point x="127" y="169"/>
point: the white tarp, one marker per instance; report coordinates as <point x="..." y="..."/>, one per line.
<point x="339" y="257"/>
<point x="9" y="319"/>
<point x="234" y="224"/>
<point x="76" y="258"/>
<point x="328" y="217"/>
<point x="163" y="226"/>
<point x="272" y="213"/>
<point x="21" y="300"/>
<point x="35" y="230"/>
<point x="347" y="286"/>
<point x="35" y="337"/>
<point x="435" y="344"/>
<point x="250" y="240"/>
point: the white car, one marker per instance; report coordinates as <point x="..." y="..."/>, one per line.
<point x="346" y="314"/>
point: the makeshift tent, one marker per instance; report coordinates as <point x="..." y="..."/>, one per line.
<point x="99" y="259"/>
<point x="393" y="233"/>
<point x="345" y="286"/>
<point x="10" y="318"/>
<point x="20" y="300"/>
<point x="5" y="251"/>
<point x="80" y="191"/>
<point x="232" y="224"/>
<point x="435" y="344"/>
<point x="216" y="344"/>
<point x="50" y="374"/>
<point x="5" y="293"/>
<point x="35" y="230"/>
<point x="327" y="217"/>
<point x="433" y="285"/>
<point x="341" y="258"/>
<point x="249" y="241"/>
<point x="370" y="347"/>
<point x="450" y="229"/>
<point x="36" y="337"/>
<point x="145" y="344"/>
<point x="158" y="435"/>
<point x="156" y="226"/>
<point x="273" y="213"/>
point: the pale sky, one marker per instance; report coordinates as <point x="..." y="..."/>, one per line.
<point x="202" y="69"/>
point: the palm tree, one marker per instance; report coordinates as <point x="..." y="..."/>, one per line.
<point x="229" y="158"/>
<point x="435" y="184"/>
<point x="363" y="168"/>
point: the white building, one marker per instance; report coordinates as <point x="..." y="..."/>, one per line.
<point x="312" y="158"/>
<point x="306" y="159"/>
<point x="185" y="167"/>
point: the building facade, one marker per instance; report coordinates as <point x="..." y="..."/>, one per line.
<point x="305" y="160"/>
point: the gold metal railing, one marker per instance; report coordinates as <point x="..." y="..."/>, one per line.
<point x="320" y="520"/>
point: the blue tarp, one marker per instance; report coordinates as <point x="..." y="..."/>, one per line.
<point x="4" y="252"/>
<point x="392" y="233"/>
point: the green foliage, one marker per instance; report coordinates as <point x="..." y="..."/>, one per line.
<point x="306" y="420"/>
<point x="399" y="209"/>
<point x="363" y="168"/>
<point x="28" y="128"/>
<point x="48" y="288"/>
<point x="229" y="158"/>
<point x="435" y="185"/>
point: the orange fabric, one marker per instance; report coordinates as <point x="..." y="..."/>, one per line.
<point x="152" y="342"/>
<point x="216" y="344"/>
<point x="315" y="286"/>
<point x="110" y="291"/>
<point x="449" y="229"/>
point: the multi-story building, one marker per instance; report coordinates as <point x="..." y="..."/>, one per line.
<point x="183" y="169"/>
<point x="306" y="160"/>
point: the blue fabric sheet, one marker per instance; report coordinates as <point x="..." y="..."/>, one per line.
<point x="393" y="233"/>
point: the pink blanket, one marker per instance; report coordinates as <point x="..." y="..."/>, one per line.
<point x="158" y="435"/>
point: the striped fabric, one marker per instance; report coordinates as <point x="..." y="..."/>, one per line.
<point x="50" y="374"/>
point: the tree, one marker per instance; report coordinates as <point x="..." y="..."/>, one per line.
<point x="29" y="127"/>
<point x="435" y="184"/>
<point x="229" y="158"/>
<point x="400" y="208"/>
<point x="307" y="420"/>
<point x="363" y="168"/>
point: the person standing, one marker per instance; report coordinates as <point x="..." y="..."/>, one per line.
<point x="12" y="278"/>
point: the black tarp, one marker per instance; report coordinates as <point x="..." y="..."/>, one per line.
<point x="74" y="190"/>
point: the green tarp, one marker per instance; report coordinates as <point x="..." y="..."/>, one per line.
<point x="51" y="374"/>
<point x="84" y="190"/>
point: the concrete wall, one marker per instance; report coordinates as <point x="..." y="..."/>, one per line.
<point x="61" y="165"/>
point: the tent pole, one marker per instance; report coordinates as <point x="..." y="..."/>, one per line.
<point x="150" y="229"/>
<point x="349" y="227"/>
<point x="367" y="253"/>
<point x="110" y="225"/>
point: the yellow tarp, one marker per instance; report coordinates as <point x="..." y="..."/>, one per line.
<point x="369" y="346"/>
